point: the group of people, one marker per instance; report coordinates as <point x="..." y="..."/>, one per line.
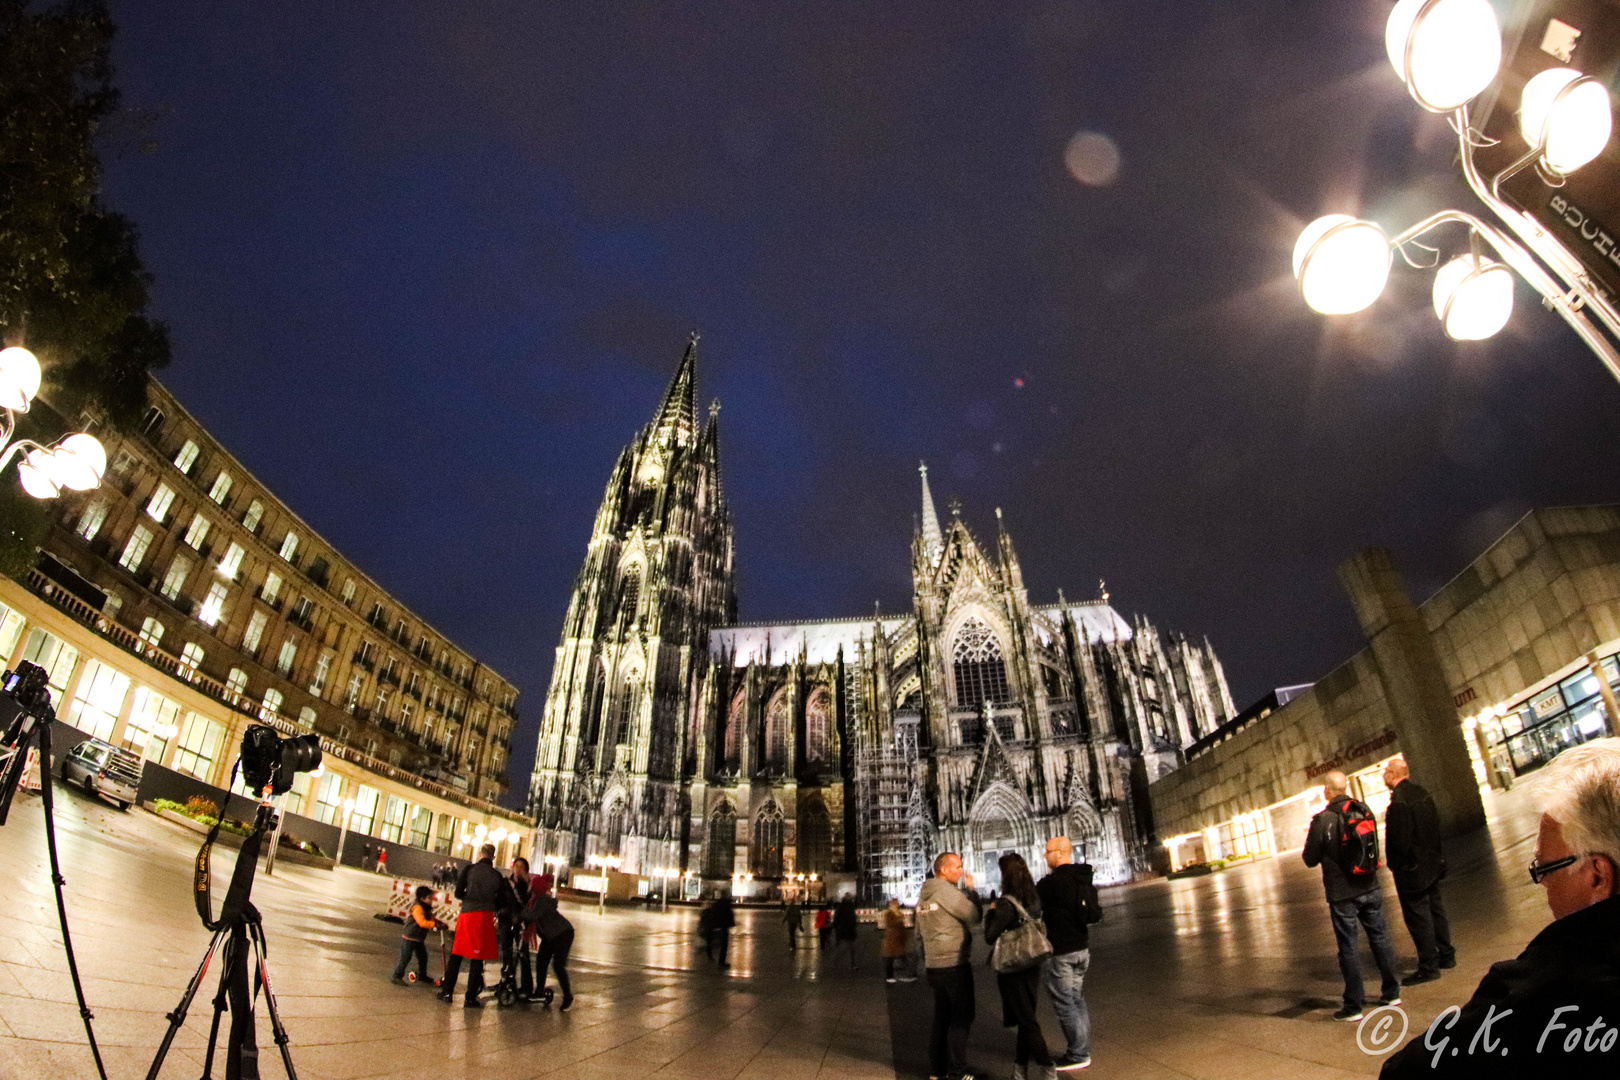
<point x="836" y="926"/>
<point x="509" y="918"/>
<point x="948" y="908"/>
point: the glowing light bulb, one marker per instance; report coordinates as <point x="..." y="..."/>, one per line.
<point x="19" y="378"/>
<point x="1473" y="298"/>
<point x="1446" y="51"/>
<point x="1568" y="116"/>
<point x="1341" y="264"/>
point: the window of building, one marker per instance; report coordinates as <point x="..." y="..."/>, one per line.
<point x="250" y="520"/>
<point x="721" y="852"/>
<point x="351" y="697"/>
<point x="11" y="628"/>
<point x="768" y="835"/>
<point x="405" y="716"/>
<point x="122" y="462"/>
<point x="284" y="661"/>
<point x="365" y="810"/>
<point x="329" y="799"/>
<point x="981" y="675"/>
<point x="421" y="826"/>
<point x="304" y="610"/>
<point x="187" y="457"/>
<point x="776" y="717"/>
<point x="90" y="521"/>
<point x="213" y="606"/>
<point x="152" y="723"/>
<point x="157" y="507"/>
<point x="445" y="838"/>
<point x="236" y="681"/>
<point x="230" y="564"/>
<point x="179" y="570"/>
<point x="323" y="667"/>
<point x="56" y="657"/>
<point x="152" y="422"/>
<point x="382" y="702"/>
<point x="630" y="592"/>
<point x="151" y="632"/>
<point x="306" y="718"/>
<point x="270" y="707"/>
<point x="113" y="605"/>
<point x="348" y="591"/>
<point x="191" y="658"/>
<point x="254" y="631"/>
<point x="221" y="488"/>
<point x="197" y="532"/>
<point x="271" y="588"/>
<point x="817" y="725"/>
<point x="289" y="546"/>
<point x="198" y="746"/>
<point x="393" y="819"/>
<point x="99" y="700"/>
<point x="135" y="548"/>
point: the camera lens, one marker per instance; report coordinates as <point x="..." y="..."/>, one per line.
<point x="301" y="753"/>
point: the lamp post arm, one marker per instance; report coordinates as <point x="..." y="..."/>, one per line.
<point x="1567" y="304"/>
<point x="1544" y="246"/>
<point x="12" y="449"/>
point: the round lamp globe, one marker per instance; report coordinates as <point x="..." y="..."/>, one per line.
<point x="1446" y="51"/>
<point x="1473" y="298"/>
<point x="1341" y="264"/>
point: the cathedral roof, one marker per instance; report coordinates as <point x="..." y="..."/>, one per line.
<point x="1097" y="620"/>
<point x="780" y="643"/>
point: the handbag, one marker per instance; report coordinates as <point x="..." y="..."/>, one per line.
<point x="1021" y="947"/>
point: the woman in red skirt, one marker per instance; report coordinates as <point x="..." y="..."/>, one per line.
<point x="482" y="892"/>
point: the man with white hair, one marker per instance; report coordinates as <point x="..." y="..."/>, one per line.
<point x="1554" y="1009"/>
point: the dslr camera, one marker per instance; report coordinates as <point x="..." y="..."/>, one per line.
<point x="268" y="760"/>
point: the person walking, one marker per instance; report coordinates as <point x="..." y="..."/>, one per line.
<point x="1069" y="900"/>
<point x="382" y="860"/>
<point x="1416" y="858"/>
<point x="824" y="928"/>
<point x="1019" y="902"/>
<point x="482" y="892"/>
<point x="719" y="919"/>
<point x="896" y="942"/>
<point x="413" y="942"/>
<point x="556" y="936"/>
<point x="792" y="913"/>
<point x="846" y="928"/>
<point x="946" y="913"/>
<point x="1343" y="840"/>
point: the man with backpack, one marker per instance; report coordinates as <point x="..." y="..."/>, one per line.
<point x="1343" y="840"/>
<point x="1070" y="904"/>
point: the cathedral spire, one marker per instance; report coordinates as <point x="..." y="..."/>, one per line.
<point x="933" y="542"/>
<point x="676" y="424"/>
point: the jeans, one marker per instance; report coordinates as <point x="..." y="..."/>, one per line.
<point x="1425" y="916"/>
<point x="1065" y="974"/>
<point x="475" y="977"/>
<point x="554" y="954"/>
<point x="1368" y="909"/>
<point x="407" y="950"/>
<point x="953" y="1017"/>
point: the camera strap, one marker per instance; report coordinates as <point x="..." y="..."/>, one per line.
<point x="201" y="877"/>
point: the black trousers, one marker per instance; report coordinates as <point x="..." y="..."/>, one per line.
<point x="1018" y="1010"/>
<point x="953" y="1017"/>
<point x="475" y="977"/>
<point x="1425" y="916"/>
<point x="554" y="954"/>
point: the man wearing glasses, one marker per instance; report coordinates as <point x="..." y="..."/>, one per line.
<point x="1552" y="1010"/>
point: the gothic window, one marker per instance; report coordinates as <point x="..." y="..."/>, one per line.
<point x="722" y="848"/>
<point x="815" y="839"/>
<point x="817" y="725"/>
<point x="1053" y="681"/>
<point x="630" y="593"/>
<point x="613" y="834"/>
<point x="595" y="704"/>
<point x="776" y="732"/>
<point x="768" y="828"/>
<point x="624" y="712"/>
<point x="981" y="675"/>
<point x="734" y="723"/>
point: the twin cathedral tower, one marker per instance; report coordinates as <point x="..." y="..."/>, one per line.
<point x="675" y="738"/>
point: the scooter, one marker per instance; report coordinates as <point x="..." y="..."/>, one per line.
<point x="444" y="962"/>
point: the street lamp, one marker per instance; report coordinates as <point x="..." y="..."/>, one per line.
<point x="1448" y="52"/>
<point x="76" y="462"/>
<point x="348" y="808"/>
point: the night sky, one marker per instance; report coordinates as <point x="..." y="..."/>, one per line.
<point x="429" y="267"/>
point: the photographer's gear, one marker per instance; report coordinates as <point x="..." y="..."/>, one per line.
<point x="26" y="716"/>
<point x="268" y="760"/>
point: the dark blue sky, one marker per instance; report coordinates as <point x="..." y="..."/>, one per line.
<point x="429" y="266"/>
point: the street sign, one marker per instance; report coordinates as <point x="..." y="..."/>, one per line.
<point x="1583" y="213"/>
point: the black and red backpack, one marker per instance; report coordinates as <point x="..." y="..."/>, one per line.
<point x="1358" y="841"/>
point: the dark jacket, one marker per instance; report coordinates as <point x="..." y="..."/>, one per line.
<point x="1412" y="838"/>
<point x="1003" y="916"/>
<point x="1575" y="961"/>
<point x="549" y="922"/>
<point x="724" y="918"/>
<point x="846" y="924"/>
<point x="1322" y="847"/>
<point x="482" y="888"/>
<point x="1070" y="901"/>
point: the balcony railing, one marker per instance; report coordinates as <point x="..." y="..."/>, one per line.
<point x="361" y="659"/>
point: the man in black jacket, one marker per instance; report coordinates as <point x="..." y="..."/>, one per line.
<point x="1553" y="1010"/>
<point x="1350" y="901"/>
<point x="483" y="891"/>
<point x="1070" y="905"/>
<point x="1412" y="842"/>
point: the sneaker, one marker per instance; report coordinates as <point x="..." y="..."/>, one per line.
<point x="1070" y="1064"/>
<point x="1389" y="1000"/>
<point x="1449" y="962"/>
<point x="908" y="978"/>
<point x="1349" y="1012"/>
<point x="444" y="996"/>
<point x="472" y="1003"/>
<point x="397" y="981"/>
<point x="1419" y="977"/>
<point x="567" y="1003"/>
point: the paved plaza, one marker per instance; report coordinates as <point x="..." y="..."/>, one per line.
<point x="1228" y="976"/>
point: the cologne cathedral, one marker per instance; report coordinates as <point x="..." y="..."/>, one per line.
<point x="676" y="739"/>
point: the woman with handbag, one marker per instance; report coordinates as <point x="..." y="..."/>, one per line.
<point x="1018" y="947"/>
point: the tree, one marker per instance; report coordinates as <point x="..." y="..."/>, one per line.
<point x="72" y="286"/>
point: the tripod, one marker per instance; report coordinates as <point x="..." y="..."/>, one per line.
<point x="32" y="724"/>
<point x="239" y="928"/>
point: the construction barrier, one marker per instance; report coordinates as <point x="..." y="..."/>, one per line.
<point x="446" y="908"/>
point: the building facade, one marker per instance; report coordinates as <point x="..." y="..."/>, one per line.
<point x="676" y="738"/>
<point x="182" y="601"/>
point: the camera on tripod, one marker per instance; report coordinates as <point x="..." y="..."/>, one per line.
<point x="270" y="761"/>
